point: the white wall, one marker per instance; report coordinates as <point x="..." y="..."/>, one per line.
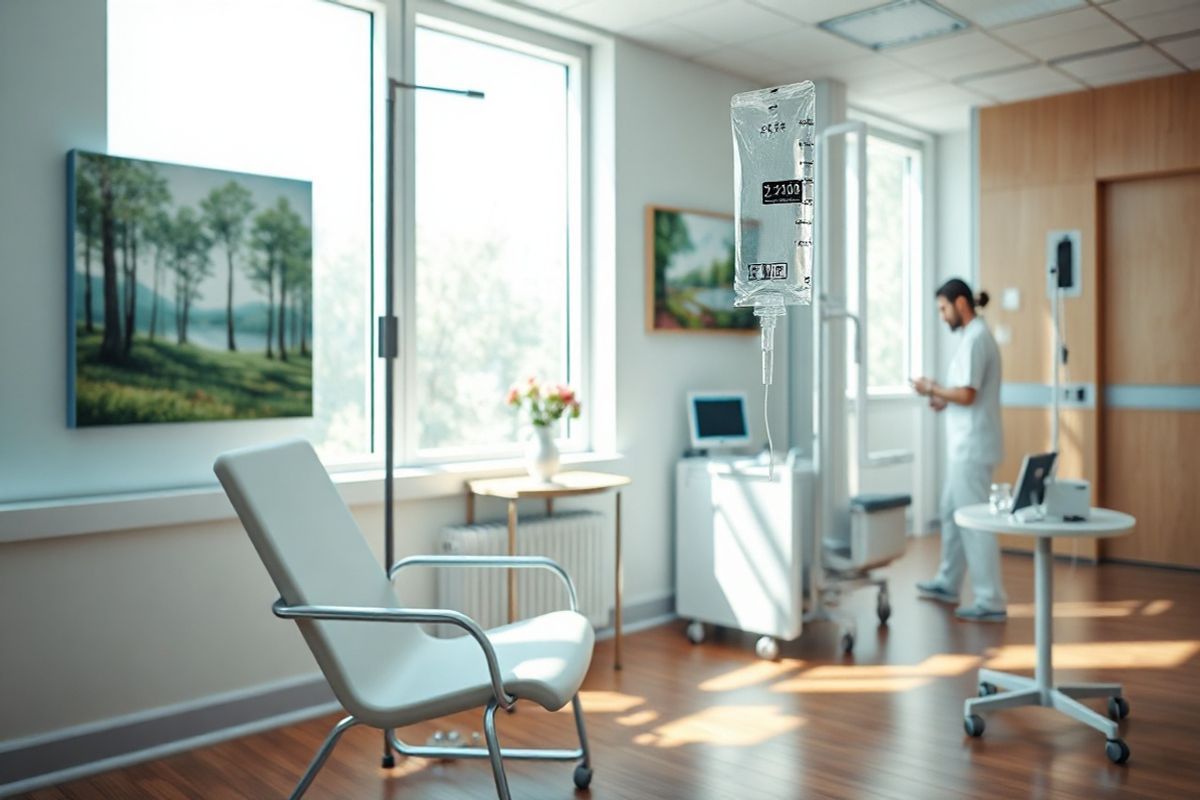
<point x="101" y="625"/>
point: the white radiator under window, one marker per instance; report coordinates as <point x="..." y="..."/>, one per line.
<point x="578" y="540"/>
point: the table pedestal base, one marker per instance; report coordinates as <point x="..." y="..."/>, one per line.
<point x="1025" y="691"/>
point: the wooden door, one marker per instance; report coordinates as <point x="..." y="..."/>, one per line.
<point x="1150" y="328"/>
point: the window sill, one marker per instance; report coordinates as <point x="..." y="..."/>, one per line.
<point x="74" y="516"/>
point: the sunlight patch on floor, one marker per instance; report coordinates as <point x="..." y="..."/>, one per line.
<point x="638" y="718"/>
<point x="1097" y="655"/>
<point x="602" y="702"/>
<point x="751" y="674"/>
<point x="725" y="726"/>
<point x="1093" y="609"/>
<point x="938" y="666"/>
<point x="806" y="685"/>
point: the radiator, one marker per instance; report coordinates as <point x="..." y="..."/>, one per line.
<point x="578" y="540"/>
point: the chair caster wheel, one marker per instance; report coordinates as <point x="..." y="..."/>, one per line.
<point x="388" y="761"/>
<point x="883" y="607"/>
<point x="767" y="648"/>
<point x="583" y="776"/>
<point x="987" y="689"/>
<point x="1117" y="751"/>
<point x="1118" y="708"/>
<point x="848" y="642"/>
<point x="695" y="632"/>
<point x="973" y="725"/>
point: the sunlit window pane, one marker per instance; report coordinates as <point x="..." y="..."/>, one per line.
<point x="280" y="88"/>
<point x="492" y="216"/>
<point x="889" y="216"/>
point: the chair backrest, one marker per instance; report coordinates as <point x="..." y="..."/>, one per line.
<point x="316" y="554"/>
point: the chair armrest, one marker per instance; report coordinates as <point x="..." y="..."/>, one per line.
<point x="411" y="615"/>
<point x="501" y="562"/>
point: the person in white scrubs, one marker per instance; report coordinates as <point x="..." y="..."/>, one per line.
<point x="970" y="404"/>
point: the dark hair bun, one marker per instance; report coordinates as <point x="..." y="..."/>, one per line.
<point x="982" y="299"/>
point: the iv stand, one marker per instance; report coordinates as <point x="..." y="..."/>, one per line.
<point x="389" y="335"/>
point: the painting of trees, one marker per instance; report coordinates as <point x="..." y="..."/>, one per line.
<point x="147" y="239"/>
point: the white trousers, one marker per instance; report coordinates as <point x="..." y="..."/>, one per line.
<point x="963" y="551"/>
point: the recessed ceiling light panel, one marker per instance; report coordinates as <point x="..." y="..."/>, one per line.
<point x="897" y="23"/>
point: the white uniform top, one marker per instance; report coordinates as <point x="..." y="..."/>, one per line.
<point x="973" y="432"/>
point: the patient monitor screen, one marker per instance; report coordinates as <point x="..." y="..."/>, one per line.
<point x="720" y="418"/>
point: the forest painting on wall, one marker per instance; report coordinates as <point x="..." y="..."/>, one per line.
<point x="189" y="293"/>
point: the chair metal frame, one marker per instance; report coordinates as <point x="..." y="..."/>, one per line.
<point x="500" y="698"/>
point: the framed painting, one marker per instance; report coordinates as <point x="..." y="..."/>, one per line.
<point x="189" y="293"/>
<point x="689" y="273"/>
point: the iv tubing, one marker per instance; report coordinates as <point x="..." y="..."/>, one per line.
<point x="768" y="315"/>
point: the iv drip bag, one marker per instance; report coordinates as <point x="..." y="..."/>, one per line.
<point x="773" y="132"/>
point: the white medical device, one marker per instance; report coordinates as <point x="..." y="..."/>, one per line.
<point x="1068" y="500"/>
<point x="717" y="419"/>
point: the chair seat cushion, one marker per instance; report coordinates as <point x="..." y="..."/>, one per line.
<point x="543" y="659"/>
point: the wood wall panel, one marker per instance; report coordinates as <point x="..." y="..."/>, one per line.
<point x="1036" y="142"/>
<point x="1027" y="430"/>
<point x="1152" y="280"/>
<point x="1013" y="223"/>
<point x="1151" y="460"/>
<point x="1148" y="126"/>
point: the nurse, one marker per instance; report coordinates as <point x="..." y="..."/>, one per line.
<point x="970" y="404"/>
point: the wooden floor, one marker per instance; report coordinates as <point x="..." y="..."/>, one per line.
<point x="712" y="721"/>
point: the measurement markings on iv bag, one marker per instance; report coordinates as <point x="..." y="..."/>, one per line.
<point x="790" y="191"/>
<point x="776" y="271"/>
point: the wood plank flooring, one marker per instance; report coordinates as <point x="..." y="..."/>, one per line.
<point x="712" y="721"/>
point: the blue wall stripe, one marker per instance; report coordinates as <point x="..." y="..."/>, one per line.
<point x="1161" y="398"/>
<point x="1025" y="395"/>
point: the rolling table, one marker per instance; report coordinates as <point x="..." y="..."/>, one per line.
<point x="564" y="484"/>
<point x="1040" y="690"/>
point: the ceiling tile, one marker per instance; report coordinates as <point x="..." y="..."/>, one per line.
<point x="946" y="47"/>
<point x="987" y="59"/>
<point x="1186" y="50"/>
<point x="1165" y="23"/>
<point x="1082" y="31"/>
<point x="551" y="5"/>
<point x="1127" y="9"/>
<point x="621" y="15"/>
<point x="1118" y="66"/>
<point x="733" y="22"/>
<point x="747" y="63"/>
<point x="1023" y="84"/>
<point x="942" y="94"/>
<point x="1134" y="75"/>
<point x="672" y="39"/>
<point x="989" y="13"/>
<point x="806" y="47"/>
<point x="814" y="11"/>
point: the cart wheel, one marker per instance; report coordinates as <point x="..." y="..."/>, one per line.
<point x="695" y="632"/>
<point x="388" y="761"/>
<point x="987" y="689"/>
<point x="1118" y="708"/>
<point x="1117" y="751"/>
<point x="583" y="776"/>
<point x="767" y="648"/>
<point x="973" y="725"/>
<point x="883" y="607"/>
<point x="848" y="642"/>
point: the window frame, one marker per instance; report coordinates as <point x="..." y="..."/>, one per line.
<point x="920" y="258"/>
<point x="574" y="56"/>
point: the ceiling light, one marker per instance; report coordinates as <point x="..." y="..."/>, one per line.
<point x="896" y="23"/>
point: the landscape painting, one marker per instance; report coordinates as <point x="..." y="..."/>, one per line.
<point x="689" y="272"/>
<point x="189" y="293"/>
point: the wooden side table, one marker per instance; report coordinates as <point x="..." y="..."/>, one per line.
<point x="564" y="484"/>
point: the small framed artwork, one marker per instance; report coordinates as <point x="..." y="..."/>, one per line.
<point x="689" y="273"/>
<point x="189" y="293"/>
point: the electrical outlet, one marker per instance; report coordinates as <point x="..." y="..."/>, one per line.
<point x="1077" y="395"/>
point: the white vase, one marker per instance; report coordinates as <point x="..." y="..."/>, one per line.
<point x="541" y="454"/>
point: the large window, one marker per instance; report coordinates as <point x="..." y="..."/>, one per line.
<point x="490" y="195"/>
<point x="894" y="262"/>
<point x="281" y="88"/>
<point x="498" y="269"/>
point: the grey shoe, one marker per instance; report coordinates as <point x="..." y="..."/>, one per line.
<point x="932" y="590"/>
<point x="980" y="614"/>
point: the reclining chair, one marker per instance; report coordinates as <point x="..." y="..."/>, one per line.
<point x="391" y="675"/>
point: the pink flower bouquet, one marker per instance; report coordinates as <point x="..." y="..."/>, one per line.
<point x="545" y="403"/>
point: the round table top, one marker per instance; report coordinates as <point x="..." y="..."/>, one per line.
<point x="1100" y="522"/>
<point x="564" y="484"/>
